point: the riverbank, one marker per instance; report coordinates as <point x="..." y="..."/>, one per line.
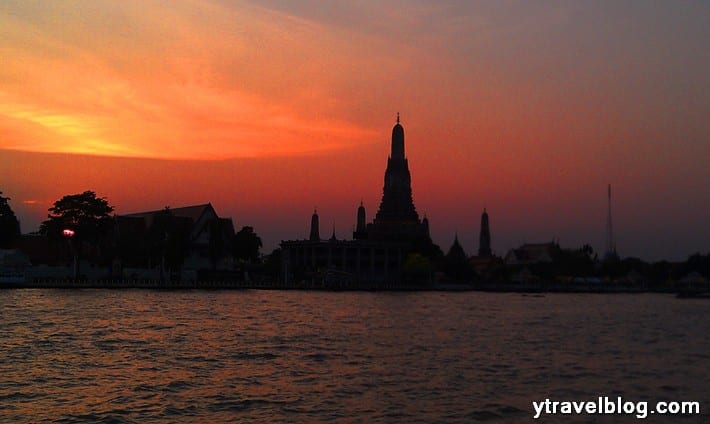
<point x="501" y="287"/>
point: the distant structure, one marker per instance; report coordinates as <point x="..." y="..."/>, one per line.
<point x="484" y="241"/>
<point x="532" y="253"/>
<point x="397" y="218"/>
<point x="456" y="254"/>
<point x="199" y="227"/>
<point x="457" y="264"/>
<point x="485" y="263"/>
<point x="610" y="246"/>
<point x="361" y="228"/>
<point x="378" y="251"/>
<point x="456" y="249"/>
<point x="315" y="231"/>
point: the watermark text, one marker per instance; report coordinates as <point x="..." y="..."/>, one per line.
<point x="605" y="405"/>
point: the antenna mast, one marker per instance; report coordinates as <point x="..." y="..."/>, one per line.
<point x="610" y="247"/>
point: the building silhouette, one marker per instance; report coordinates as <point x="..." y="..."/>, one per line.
<point x="532" y="253"/>
<point x="397" y="218"/>
<point x="484" y="241"/>
<point x="361" y="227"/>
<point x="315" y="231"/>
<point x="194" y="231"/>
<point x="379" y="249"/>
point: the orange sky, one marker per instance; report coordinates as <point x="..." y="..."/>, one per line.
<point x="268" y="109"/>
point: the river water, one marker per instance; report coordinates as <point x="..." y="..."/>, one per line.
<point x="295" y="356"/>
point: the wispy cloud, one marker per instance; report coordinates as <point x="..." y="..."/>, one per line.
<point x="196" y="80"/>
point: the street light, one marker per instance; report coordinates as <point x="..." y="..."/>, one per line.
<point x="68" y="233"/>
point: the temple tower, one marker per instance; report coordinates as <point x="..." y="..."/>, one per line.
<point x="361" y="227"/>
<point x="397" y="217"/>
<point x="484" y="241"/>
<point x="315" y="233"/>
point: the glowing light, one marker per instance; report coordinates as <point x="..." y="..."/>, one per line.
<point x="68" y="233"/>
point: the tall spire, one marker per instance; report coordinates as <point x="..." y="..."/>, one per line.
<point x="484" y="241"/>
<point x="397" y="141"/>
<point x="332" y="237"/>
<point x="315" y="233"/>
<point x="397" y="217"/>
<point x="610" y="247"/>
<point x="361" y="226"/>
<point x="361" y="218"/>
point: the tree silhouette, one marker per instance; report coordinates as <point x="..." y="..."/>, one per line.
<point x="87" y="216"/>
<point x="417" y="268"/>
<point x="246" y="245"/>
<point x="9" y="225"/>
<point x="272" y="264"/>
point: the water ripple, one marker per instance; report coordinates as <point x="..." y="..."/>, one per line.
<point x="257" y="356"/>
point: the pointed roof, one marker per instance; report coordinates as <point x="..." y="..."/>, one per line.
<point x="193" y="212"/>
<point x="456" y="250"/>
<point x="195" y="220"/>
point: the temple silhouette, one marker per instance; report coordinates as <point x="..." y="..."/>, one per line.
<point x="397" y="218"/>
<point x="484" y="240"/>
<point x="379" y="250"/>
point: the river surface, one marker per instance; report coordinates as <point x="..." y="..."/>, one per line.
<point x="296" y="356"/>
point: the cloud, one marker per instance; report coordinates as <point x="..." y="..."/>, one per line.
<point x="193" y="81"/>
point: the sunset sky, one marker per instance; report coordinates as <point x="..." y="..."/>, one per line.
<point x="268" y="109"/>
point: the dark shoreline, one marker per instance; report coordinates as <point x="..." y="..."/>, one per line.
<point x="493" y="287"/>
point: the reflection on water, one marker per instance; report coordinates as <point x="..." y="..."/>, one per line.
<point x="137" y="356"/>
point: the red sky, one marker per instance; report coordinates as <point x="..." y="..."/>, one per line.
<point x="269" y="109"/>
